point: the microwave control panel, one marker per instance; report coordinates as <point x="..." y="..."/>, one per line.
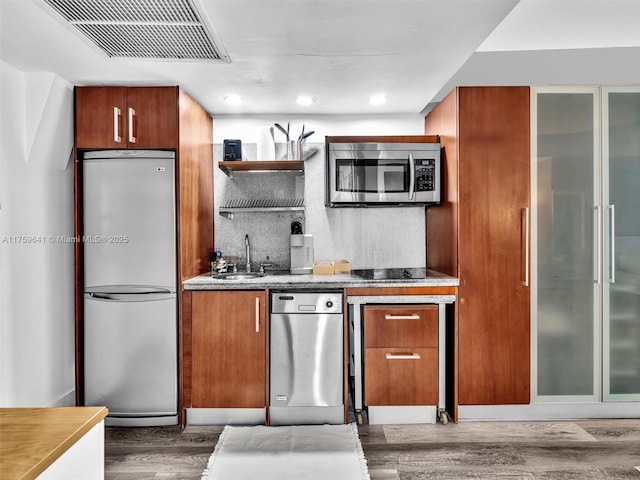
<point x="425" y="175"/>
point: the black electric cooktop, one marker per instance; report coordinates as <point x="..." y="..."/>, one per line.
<point x="391" y="273"/>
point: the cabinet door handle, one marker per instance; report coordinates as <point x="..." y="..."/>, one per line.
<point x="116" y="125"/>
<point x="257" y="314"/>
<point x="612" y="245"/>
<point x="413" y="316"/>
<point x="402" y="356"/>
<point x="598" y="257"/>
<point x="525" y="230"/>
<point x="132" y="116"/>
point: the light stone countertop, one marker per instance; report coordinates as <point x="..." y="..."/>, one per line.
<point x="284" y="280"/>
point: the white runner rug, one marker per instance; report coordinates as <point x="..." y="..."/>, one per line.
<point x="308" y="452"/>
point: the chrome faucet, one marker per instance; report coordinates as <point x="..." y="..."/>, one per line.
<point x="246" y="244"/>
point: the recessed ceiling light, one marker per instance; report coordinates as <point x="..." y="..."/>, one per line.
<point x="234" y="99"/>
<point x="305" y="100"/>
<point x="378" y="99"/>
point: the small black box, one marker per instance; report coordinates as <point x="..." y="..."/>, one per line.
<point x="232" y="150"/>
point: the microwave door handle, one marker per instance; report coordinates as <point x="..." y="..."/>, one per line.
<point x="412" y="176"/>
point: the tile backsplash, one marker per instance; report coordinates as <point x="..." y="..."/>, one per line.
<point x="367" y="237"/>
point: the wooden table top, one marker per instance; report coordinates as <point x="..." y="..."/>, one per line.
<point x="31" y="439"/>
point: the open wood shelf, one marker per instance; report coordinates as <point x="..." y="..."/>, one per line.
<point x="231" y="166"/>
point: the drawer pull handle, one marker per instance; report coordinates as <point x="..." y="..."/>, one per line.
<point x="403" y="356"/>
<point x="414" y="316"/>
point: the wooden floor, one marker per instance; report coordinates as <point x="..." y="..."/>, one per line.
<point x="580" y="450"/>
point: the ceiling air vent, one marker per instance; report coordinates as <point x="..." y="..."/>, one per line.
<point x="148" y="29"/>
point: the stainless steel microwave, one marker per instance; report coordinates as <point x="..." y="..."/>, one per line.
<point x="382" y="173"/>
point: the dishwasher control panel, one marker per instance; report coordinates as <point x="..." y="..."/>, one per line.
<point x="306" y="302"/>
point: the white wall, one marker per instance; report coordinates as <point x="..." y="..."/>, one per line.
<point x="36" y="269"/>
<point x="245" y="127"/>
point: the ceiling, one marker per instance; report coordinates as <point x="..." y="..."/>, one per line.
<point x="341" y="52"/>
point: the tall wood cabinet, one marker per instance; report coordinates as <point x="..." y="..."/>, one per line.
<point x="149" y="118"/>
<point x="480" y="233"/>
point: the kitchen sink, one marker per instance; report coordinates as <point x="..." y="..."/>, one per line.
<point x="238" y="275"/>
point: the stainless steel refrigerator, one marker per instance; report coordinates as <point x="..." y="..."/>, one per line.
<point x="130" y="297"/>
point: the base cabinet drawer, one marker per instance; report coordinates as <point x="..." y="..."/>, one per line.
<point x="401" y="376"/>
<point x="410" y="326"/>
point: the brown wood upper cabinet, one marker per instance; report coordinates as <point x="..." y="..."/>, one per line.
<point x="126" y="117"/>
<point x="480" y="233"/>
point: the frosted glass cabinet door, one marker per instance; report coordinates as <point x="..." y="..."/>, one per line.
<point x="621" y="168"/>
<point x="565" y="297"/>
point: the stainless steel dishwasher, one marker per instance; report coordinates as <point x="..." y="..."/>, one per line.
<point x="306" y="358"/>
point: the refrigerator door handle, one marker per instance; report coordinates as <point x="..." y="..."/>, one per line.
<point x="119" y="289"/>
<point x="129" y="297"/>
